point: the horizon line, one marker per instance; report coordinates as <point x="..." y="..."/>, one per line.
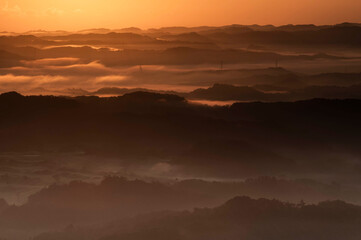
<point x="180" y="26"/>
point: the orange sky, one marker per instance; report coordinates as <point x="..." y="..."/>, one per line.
<point x="22" y="15"/>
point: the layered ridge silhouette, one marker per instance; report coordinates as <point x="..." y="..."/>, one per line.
<point x="239" y="217"/>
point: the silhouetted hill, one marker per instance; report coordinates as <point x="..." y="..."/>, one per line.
<point x="116" y="91"/>
<point x="182" y="55"/>
<point x="240" y="217"/>
<point x="180" y="30"/>
<point x="148" y="97"/>
<point x="110" y="38"/>
<point x="231" y="29"/>
<point x="23" y="40"/>
<point x="342" y="35"/>
<point x="130" y="30"/>
<point x="229" y="92"/>
<point x="187" y="37"/>
<point x="184" y="134"/>
<point x="15" y="103"/>
<point x="11" y="96"/>
<point x="81" y="203"/>
<point x="292" y="28"/>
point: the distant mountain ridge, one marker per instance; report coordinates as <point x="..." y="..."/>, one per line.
<point x="180" y="30"/>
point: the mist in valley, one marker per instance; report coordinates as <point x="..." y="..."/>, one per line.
<point x="234" y="132"/>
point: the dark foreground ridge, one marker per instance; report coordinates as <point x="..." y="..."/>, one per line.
<point x="85" y="203"/>
<point x="145" y="128"/>
<point x="238" y="218"/>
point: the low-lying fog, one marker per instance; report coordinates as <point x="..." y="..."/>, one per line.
<point x="134" y="134"/>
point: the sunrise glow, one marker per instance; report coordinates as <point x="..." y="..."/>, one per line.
<point x="22" y="15"/>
